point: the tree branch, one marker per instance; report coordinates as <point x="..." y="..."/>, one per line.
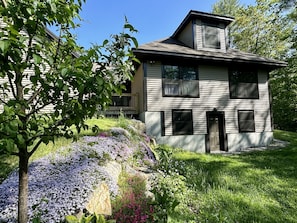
<point x="35" y="147"/>
<point x="36" y="93"/>
<point x="12" y="87"/>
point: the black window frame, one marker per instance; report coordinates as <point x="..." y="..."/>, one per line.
<point x="162" y="117"/>
<point x="242" y="124"/>
<point x="242" y="81"/>
<point x="205" y="44"/>
<point x="180" y="80"/>
<point x="187" y="125"/>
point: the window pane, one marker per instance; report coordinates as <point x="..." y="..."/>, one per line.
<point x="211" y="36"/>
<point x="190" y="88"/>
<point x="243" y="84"/>
<point x="246" y="121"/>
<point x="182" y="122"/>
<point x="180" y="81"/>
<point x="171" y="87"/>
<point x="188" y="73"/>
<point x="171" y="72"/>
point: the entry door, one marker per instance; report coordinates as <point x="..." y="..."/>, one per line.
<point x="214" y="133"/>
<point x="216" y="138"/>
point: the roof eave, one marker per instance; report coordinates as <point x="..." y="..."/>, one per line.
<point x="142" y="53"/>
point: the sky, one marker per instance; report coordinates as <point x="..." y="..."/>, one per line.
<point x="154" y="19"/>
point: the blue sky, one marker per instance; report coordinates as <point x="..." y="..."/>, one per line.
<point x="154" y="19"/>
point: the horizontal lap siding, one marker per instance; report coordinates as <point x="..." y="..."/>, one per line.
<point x="214" y="93"/>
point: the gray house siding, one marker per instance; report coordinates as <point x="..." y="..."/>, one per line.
<point x="187" y="35"/>
<point x="214" y="93"/>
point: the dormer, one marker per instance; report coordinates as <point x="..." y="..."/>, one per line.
<point x="204" y="31"/>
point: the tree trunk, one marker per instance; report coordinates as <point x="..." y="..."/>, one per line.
<point x="23" y="187"/>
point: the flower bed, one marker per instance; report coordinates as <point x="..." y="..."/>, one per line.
<point x="60" y="184"/>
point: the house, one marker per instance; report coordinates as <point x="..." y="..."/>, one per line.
<point x="196" y="93"/>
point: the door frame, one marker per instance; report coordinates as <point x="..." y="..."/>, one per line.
<point x="222" y="130"/>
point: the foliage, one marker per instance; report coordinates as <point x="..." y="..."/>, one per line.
<point x="284" y="95"/>
<point x="40" y="72"/>
<point x="132" y="205"/>
<point x="171" y="195"/>
<point x="87" y="218"/>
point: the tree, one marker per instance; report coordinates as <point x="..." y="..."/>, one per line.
<point x="38" y="71"/>
<point x="284" y="81"/>
<point x="226" y="7"/>
<point x="284" y="92"/>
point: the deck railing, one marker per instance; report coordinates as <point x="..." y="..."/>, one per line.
<point x="127" y="103"/>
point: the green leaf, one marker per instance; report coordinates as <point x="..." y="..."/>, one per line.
<point x="21" y="140"/>
<point x="53" y="7"/>
<point x="4" y="45"/>
<point x="36" y="58"/>
<point x="64" y="71"/>
<point x="105" y="42"/>
<point x="71" y="219"/>
<point x="10" y="146"/>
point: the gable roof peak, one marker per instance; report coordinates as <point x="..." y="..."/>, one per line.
<point x="193" y="14"/>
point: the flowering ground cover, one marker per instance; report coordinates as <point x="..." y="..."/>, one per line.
<point x="60" y="183"/>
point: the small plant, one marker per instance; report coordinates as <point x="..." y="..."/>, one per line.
<point x="37" y="211"/>
<point x="132" y="206"/>
<point x="88" y="218"/>
<point x="123" y="121"/>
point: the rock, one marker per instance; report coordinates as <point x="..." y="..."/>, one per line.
<point x="99" y="202"/>
<point x="114" y="170"/>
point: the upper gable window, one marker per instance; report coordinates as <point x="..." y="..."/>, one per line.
<point x="243" y="83"/>
<point x="211" y="36"/>
<point x="180" y="81"/>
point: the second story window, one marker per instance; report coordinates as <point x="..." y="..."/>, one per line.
<point x="243" y="83"/>
<point x="180" y="81"/>
<point x="211" y="36"/>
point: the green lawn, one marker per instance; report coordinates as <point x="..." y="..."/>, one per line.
<point x="251" y="187"/>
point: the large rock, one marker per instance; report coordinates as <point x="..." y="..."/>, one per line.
<point x="99" y="202"/>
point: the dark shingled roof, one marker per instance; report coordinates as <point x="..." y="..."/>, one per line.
<point x="172" y="48"/>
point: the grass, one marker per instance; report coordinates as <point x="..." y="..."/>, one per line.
<point x="9" y="163"/>
<point x="252" y="187"/>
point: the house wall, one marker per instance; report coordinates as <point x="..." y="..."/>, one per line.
<point x="187" y="35"/>
<point x="214" y="93"/>
<point x="137" y="87"/>
<point x="199" y="37"/>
